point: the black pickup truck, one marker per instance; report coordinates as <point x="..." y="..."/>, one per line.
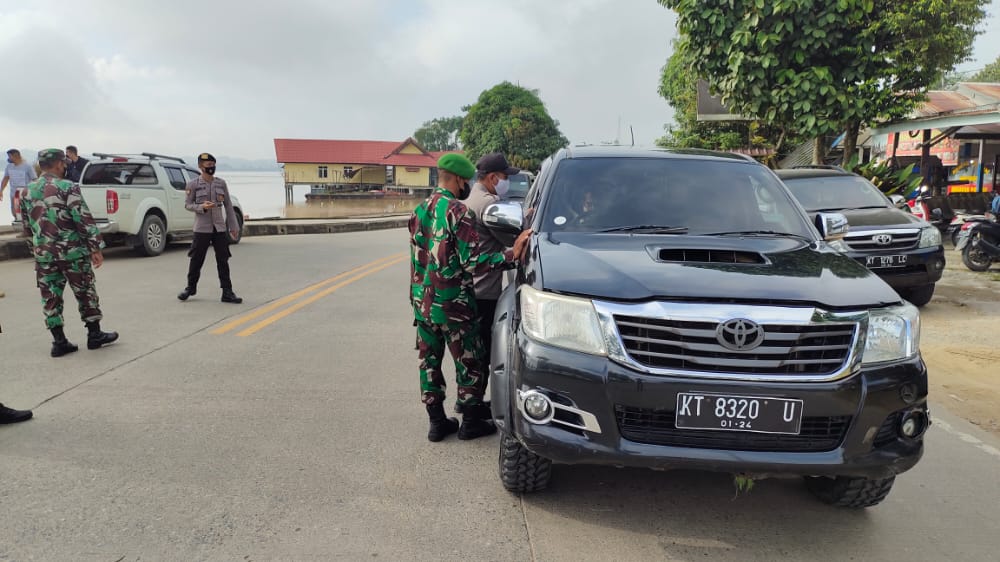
<point x="902" y="249"/>
<point x="679" y="309"/>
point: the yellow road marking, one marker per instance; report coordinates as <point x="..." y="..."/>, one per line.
<point x="301" y="304"/>
<point x="285" y="300"/>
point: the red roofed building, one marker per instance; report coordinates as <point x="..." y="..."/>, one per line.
<point x="357" y="164"/>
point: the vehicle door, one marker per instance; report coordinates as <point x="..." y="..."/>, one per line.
<point x="181" y="220"/>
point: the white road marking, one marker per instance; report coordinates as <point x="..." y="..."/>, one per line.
<point x="975" y="441"/>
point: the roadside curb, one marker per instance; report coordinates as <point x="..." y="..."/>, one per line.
<point x="17" y="248"/>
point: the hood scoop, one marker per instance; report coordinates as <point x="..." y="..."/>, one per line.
<point x="676" y="255"/>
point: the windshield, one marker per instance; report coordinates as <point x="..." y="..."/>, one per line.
<point x="676" y="196"/>
<point x="833" y="193"/>
<point x="519" y="185"/>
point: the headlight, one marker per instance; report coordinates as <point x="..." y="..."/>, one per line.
<point x="893" y="334"/>
<point x="930" y="237"/>
<point x="561" y="321"/>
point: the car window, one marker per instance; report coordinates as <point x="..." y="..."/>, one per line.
<point x="176" y="176"/>
<point x="835" y="192"/>
<point x="519" y="186"/>
<point x="119" y="173"/>
<point x="593" y="194"/>
<point x="191" y="174"/>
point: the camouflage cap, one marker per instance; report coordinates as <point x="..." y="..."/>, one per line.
<point x="457" y="164"/>
<point x="50" y="155"/>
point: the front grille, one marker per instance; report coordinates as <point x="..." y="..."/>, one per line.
<point x="693" y="346"/>
<point x="656" y="427"/>
<point x="900" y="241"/>
<point x="888" y="432"/>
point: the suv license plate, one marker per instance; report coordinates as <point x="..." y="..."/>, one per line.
<point x="885" y="261"/>
<point x="738" y="413"/>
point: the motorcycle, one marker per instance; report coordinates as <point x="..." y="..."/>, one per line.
<point x="979" y="243"/>
<point x="960" y="220"/>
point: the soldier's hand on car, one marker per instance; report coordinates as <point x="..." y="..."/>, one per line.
<point x="97" y="258"/>
<point x="521" y="244"/>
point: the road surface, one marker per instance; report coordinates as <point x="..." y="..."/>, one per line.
<point x="290" y="428"/>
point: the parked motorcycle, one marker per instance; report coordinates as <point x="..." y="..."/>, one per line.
<point x="955" y="228"/>
<point x="979" y="243"/>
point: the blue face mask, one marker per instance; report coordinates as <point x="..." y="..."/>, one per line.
<point x="10" y="160"/>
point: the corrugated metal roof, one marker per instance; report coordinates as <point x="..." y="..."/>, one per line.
<point x="366" y="152"/>
<point x="971" y="104"/>
<point x="944" y="102"/>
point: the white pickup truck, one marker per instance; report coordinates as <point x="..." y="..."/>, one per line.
<point x="138" y="200"/>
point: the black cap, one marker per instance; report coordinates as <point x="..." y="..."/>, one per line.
<point x="206" y="157"/>
<point x="495" y="162"/>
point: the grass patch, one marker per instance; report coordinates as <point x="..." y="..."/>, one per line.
<point x="995" y="276"/>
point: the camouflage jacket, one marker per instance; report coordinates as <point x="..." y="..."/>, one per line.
<point x="444" y="258"/>
<point x="55" y="217"/>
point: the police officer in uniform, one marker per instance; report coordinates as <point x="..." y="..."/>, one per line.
<point x="67" y="247"/>
<point x="208" y="198"/>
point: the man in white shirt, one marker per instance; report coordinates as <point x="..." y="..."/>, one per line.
<point x="18" y="175"/>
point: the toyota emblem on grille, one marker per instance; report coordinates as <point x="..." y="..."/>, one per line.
<point x="882" y="239"/>
<point x="740" y="334"/>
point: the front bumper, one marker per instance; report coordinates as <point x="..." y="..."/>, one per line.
<point x="869" y="400"/>
<point x="924" y="267"/>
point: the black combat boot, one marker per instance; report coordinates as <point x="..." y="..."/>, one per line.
<point x="229" y="296"/>
<point x="441" y="425"/>
<point x="459" y="408"/>
<point x="60" y="345"/>
<point x="10" y="415"/>
<point x="96" y="338"/>
<point x="477" y="421"/>
<point x="187" y="293"/>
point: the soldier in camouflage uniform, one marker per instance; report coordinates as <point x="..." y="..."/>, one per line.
<point x="445" y="256"/>
<point x="65" y="242"/>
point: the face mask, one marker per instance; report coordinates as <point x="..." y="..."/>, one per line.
<point x="465" y="192"/>
<point x="210" y="170"/>
<point x="503" y="186"/>
<point x="10" y="160"/>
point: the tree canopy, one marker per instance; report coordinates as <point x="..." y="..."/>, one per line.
<point x="989" y="74"/>
<point x="439" y="134"/>
<point x="512" y="120"/>
<point x="828" y="67"/>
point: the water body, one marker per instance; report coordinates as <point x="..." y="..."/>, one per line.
<point x="262" y="195"/>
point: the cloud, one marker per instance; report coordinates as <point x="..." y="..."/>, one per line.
<point x="187" y="75"/>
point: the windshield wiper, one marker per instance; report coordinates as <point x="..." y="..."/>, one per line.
<point x="649" y="229"/>
<point x="832" y="209"/>
<point x="761" y="233"/>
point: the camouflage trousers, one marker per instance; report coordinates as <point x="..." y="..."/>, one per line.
<point x="52" y="279"/>
<point x="466" y="347"/>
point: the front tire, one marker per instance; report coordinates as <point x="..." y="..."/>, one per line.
<point x="522" y="471"/>
<point x="844" y="491"/>
<point x="919" y="296"/>
<point x="976" y="259"/>
<point x="152" y="236"/>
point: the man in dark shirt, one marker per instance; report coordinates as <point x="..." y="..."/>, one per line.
<point x="74" y="171"/>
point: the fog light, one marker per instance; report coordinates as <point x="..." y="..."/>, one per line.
<point x="939" y="265"/>
<point x="537" y="406"/>
<point x="913" y="425"/>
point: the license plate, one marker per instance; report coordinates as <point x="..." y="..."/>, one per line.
<point x="738" y="413"/>
<point x="876" y="262"/>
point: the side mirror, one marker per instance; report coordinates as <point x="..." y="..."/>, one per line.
<point x="924" y="189"/>
<point x="832" y="226"/>
<point x="898" y="201"/>
<point x="504" y="217"/>
<point x="936" y="214"/>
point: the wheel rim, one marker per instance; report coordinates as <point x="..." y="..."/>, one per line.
<point x="154" y="235"/>
<point x="978" y="257"/>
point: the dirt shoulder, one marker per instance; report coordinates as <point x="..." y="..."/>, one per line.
<point x="960" y="345"/>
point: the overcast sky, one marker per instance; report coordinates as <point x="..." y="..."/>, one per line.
<point x="186" y="76"/>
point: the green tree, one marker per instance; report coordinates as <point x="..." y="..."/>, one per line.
<point x="678" y="85"/>
<point x="512" y="120"/>
<point x="824" y="68"/>
<point x="989" y="74"/>
<point x="439" y="134"/>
